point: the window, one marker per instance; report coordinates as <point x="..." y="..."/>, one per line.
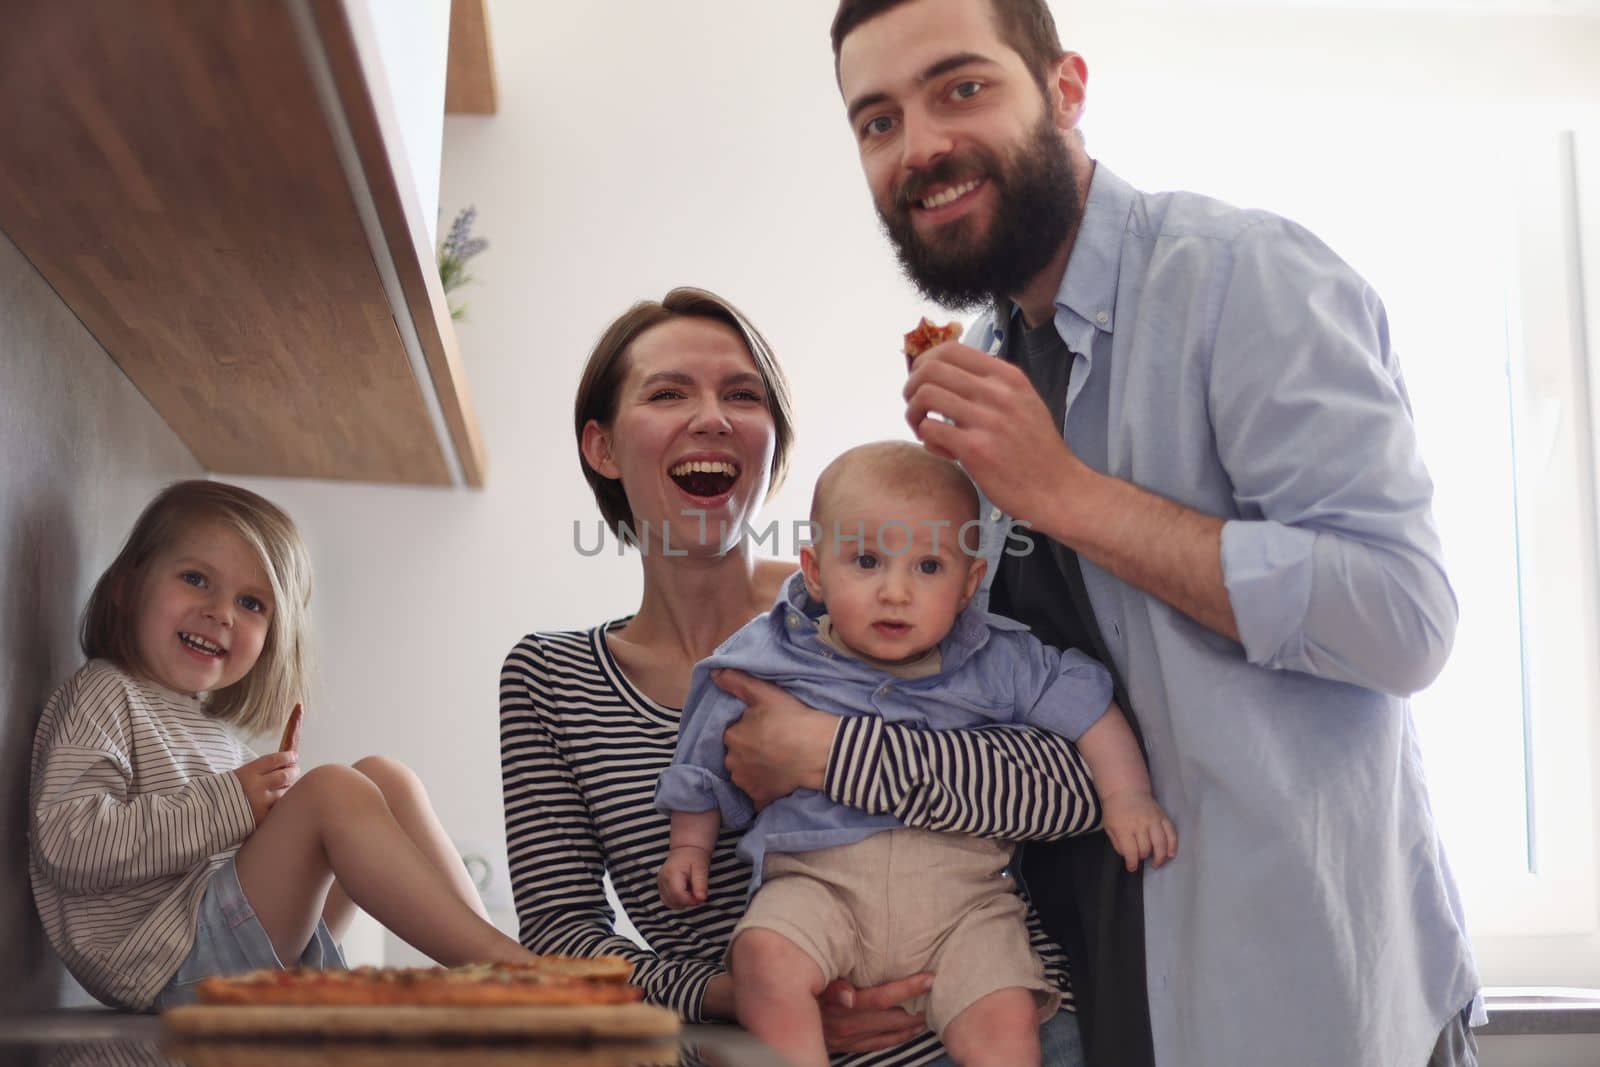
<point x="1476" y="242"/>
<point x="1508" y="728"/>
<point x="1531" y="885"/>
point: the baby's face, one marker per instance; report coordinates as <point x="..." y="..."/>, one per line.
<point x="891" y="570"/>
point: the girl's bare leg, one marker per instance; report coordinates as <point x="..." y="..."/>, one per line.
<point x="408" y="800"/>
<point x="338" y="910"/>
<point x="336" y="823"/>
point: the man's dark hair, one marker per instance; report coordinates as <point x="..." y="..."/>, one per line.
<point x="1026" y="25"/>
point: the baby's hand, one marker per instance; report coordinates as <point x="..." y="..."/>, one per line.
<point x="267" y="779"/>
<point x="682" y="880"/>
<point x="1138" y="828"/>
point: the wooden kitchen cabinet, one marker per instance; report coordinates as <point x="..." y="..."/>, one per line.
<point x="213" y="188"/>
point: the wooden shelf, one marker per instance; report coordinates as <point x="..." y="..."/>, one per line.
<point x="209" y="187"/>
<point x="469" y="87"/>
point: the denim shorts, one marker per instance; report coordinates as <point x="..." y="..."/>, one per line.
<point x="229" y="939"/>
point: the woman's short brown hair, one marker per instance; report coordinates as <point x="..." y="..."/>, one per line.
<point x="599" y="389"/>
<point x="261" y="700"/>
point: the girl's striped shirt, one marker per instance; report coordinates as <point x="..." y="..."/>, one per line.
<point x="132" y="805"/>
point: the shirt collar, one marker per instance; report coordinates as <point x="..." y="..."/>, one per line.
<point x="1088" y="290"/>
<point x="796" y="613"/>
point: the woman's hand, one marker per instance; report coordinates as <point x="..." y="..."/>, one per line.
<point x="779" y="744"/>
<point x="266" y="779"/>
<point x="866" y="1020"/>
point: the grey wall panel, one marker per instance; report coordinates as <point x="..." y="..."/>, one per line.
<point x="81" y="451"/>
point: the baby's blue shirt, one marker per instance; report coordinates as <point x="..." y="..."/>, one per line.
<point x="994" y="672"/>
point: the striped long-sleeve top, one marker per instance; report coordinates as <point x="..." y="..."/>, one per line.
<point x="581" y="750"/>
<point x="131" y="807"/>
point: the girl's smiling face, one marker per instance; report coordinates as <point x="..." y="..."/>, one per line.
<point x="693" y="438"/>
<point x="202" y="611"/>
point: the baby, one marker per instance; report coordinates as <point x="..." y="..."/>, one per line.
<point x="877" y="623"/>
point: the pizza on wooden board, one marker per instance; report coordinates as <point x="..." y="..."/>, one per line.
<point x="926" y="335"/>
<point x="460" y="1051"/>
<point x="550" y="980"/>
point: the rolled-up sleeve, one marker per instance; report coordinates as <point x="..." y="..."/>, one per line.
<point x="1075" y="694"/>
<point x="697" y="779"/>
<point x="1334" y="566"/>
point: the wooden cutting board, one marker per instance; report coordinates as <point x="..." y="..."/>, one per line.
<point x="546" y="1052"/>
<point x="598" y="1022"/>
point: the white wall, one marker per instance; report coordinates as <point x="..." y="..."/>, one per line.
<point x="642" y="145"/>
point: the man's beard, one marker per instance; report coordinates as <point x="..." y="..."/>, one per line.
<point x="1036" y="211"/>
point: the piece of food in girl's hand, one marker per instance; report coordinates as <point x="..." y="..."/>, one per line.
<point x="291" y="732"/>
<point x="926" y="335"/>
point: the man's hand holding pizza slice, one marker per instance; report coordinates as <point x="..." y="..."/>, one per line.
<point x="926" y="335"/>
<point x="969" y="406"/>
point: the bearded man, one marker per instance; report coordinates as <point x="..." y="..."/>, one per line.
<point x="1200" y="420"/>
<point x="1198" y="417"/>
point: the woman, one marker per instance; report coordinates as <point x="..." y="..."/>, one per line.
<point x="684" y="425"/>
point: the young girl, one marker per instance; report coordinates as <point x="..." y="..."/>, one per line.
<point x="162" y="850"/>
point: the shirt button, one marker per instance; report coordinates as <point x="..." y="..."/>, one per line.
<point x="994" y="515"/>
<point x="883" y="690"/>
<point x="1102" y="318"/>
<point x="794" y="620"/>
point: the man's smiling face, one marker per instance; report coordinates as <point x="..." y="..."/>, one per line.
<point x="967" y="168"/>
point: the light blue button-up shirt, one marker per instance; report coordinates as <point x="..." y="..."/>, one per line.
<point x="1229" y="361"/>
<point x="992" y="671"/>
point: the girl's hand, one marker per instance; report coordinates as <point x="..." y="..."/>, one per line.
<point x="682" y="880"/>
<point x="266" y="779"/>
<point x="867" y="1020"/>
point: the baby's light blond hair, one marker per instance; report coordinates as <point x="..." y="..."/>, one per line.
<point x="900" y="467"/>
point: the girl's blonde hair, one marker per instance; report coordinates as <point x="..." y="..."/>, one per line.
<point x="261" y="700"/>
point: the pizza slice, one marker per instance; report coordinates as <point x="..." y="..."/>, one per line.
<point x="926" y="335"/>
